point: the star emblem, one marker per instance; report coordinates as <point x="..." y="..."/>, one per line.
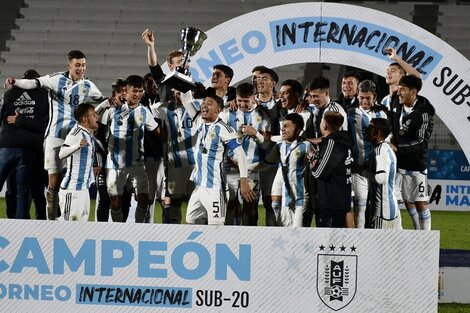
<point x="332" y="248"/>
<point x="353" y="249"/>
<point x="343" y="248"/>
<point x="322" y="248"/>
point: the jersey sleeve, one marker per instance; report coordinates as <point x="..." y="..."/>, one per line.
<point x="71" y="144"/>
<point x="94" y="93"/>
<point x="150" y="123"/>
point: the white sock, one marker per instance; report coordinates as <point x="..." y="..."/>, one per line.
<point x="425" y="219"/>
<point x="414" y="217"/>
<point x="361" y="212"/>
<point x="277" y="211"/>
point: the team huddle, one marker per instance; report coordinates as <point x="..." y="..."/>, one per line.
<point x="305" y="156"/>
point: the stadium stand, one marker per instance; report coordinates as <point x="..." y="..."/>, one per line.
<point x="108" y="31"/>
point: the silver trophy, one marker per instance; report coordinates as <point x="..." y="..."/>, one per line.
<point x="191" y="39"/>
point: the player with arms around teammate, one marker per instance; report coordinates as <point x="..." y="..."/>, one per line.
<point x="252" y="124"/>
<point x="381" y="171"/>
<point x="292" y="153"/>
<point x="331" y="168"/>
<point x="79" y="150"/>
<point x="358" y="119"/>
<point x="208" y="200"/>
<point x="66" y="91"/>
<point x="125" y="159"/>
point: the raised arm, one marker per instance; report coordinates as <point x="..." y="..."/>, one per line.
<point x="21" y="83"/>
<point x="188" y="103"/>
<point x="149" y="39"/>
<point x="409" y="69"/>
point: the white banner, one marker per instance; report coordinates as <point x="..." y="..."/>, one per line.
<point x="342" y="34"/>
<point x="110" y="267"/>
<point x="449" y="195"/>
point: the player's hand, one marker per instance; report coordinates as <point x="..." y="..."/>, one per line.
<point x="300" y="107"/>
<point x="249" y="130"/>
<point x="116" y="101"/>
<point x="394" y="148"/>
<point x="83" y="143"/>
<point x="315" y="141"/>
<point x="247" y="193"/>
<point x="148" y="38"/>
<point x="9" y="82"/>
<point x="96" y="170"/>
<point x="392" y="53"/>
<point x="11" y="119"/>
<point x="233" y="106"/>
<point x="267" y="135"/>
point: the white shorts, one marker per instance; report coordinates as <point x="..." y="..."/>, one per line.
<point x="276" y="188"/>
<point x="207" y="203"/>
<point x="266" y="180"/>
<point x="74" y="205"/>
<point x="52" y="163"/>
<point x="292" y="218"/>
<point x="233" y="184"/>
<point x="360" y="186"/>
<point x="155" y="170"/>
<point x="178" y="182"/>
<point x="116" y="180"/>
<point x="414" y="185"/>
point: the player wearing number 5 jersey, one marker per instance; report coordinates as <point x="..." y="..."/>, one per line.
<point x="66" y="91"/>
<point x="208" y="200"/>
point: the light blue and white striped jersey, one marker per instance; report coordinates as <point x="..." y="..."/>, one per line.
<point x="65" y="94"/>
<point x="293" y="162"/>
<point x="211" y="149"/>
<point x="257" y="118"/>
<point x="126" y="139"/>
<point x="386" y="101"/>
<point x="79" y="174"/>
<point x="383" y="167"/>
<point x="182" y="133"/>
<point x="358" y="120"/>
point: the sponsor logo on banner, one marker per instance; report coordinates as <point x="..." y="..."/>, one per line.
<point x="336" y="279"/>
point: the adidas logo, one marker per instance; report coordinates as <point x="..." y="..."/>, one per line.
<point x="24" y="100"/>
<point x="421" y="195"/>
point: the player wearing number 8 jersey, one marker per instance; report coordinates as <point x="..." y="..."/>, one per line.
<point x="66" y="91"/>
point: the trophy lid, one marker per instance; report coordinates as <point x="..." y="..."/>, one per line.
<point x="192" y="39"/>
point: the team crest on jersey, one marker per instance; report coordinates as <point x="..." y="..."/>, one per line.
<point x="336" y="279"/>
<point x="212" y="134"/>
